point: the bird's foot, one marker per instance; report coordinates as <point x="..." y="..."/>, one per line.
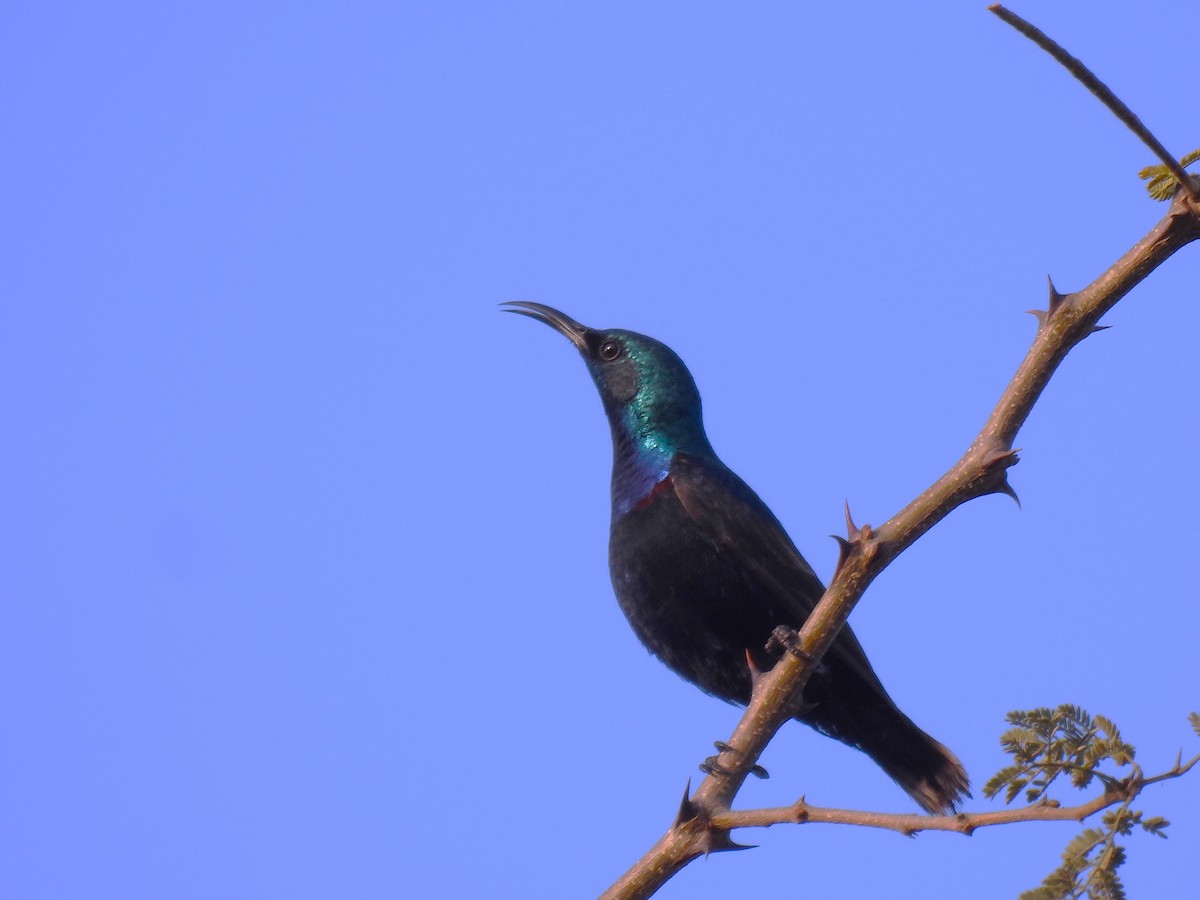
<point x="712" y="766"/>
<point x="784" y="638"/>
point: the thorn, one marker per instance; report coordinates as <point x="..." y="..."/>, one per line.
<point x="713" y="840"/>
<point x="999" y="459"/>
<point x="755" y="671"/>
<point x="1096" y="328"/>
<point x="1008" y="453"/>
<point x="1056" y="298"/>
<point x="844" y="550"/>
<point x="851" y="528"/>
<point x="687" y="810"/>
<point x="1006" y="488"/>
<point x="1002" y="458"/>
<point x="719" y="841"/>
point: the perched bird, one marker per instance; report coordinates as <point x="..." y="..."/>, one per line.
<point x="704" y="572"/>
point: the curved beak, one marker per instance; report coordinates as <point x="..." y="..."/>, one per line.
<point x="560" y="322"/>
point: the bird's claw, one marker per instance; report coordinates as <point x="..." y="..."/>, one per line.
<point x="711" y="766"/>
<point x="784" y="638"/>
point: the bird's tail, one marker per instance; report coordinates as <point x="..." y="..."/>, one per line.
<point x="927" y="771"/>
<point x="870" y="721"/>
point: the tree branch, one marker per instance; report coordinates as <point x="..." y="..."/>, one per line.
<point x="801" y="813"/>
<point x="704" y="819"/>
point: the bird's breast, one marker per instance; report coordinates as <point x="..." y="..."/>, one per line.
<point x="658" y="493"/>
<point x="635" y="478"/>
<point x="690" y="604"/>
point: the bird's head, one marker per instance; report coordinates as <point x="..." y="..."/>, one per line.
<point x="648" y="393"/>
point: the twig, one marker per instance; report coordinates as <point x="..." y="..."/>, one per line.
<point x="1089" y="80"/>
<point x="801" y="813"/>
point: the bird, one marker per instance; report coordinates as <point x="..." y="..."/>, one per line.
<point x="705" y="573"/>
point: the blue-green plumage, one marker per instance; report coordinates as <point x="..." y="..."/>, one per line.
<point x="704" y="572"/>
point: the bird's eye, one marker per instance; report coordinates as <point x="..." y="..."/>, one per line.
<point x="610" y="350"/>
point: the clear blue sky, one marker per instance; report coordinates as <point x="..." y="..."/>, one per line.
<point x="304" y="543"/>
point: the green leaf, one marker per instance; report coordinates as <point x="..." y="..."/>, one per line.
<point x="999" y="780"/>
<point x="1160" y="182"/>
<point x="1083" y="843"/>
<point x="1156" y="825"/>
<point x="1046" y="744"/>
<point x="1042" y="893"/>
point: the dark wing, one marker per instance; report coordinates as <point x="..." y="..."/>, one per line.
<point x="733" y="517"/>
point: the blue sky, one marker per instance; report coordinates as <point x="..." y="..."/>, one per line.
<point x="305" y="578"/>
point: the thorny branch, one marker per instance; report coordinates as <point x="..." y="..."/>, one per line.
<point x="704" y="820"/>
<point x="801" y="813"/>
